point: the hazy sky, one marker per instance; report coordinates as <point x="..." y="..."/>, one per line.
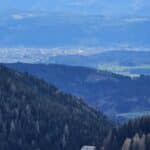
<point x="106" y="7"/>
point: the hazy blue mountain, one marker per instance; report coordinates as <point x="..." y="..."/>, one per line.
<point x="123" y="62"/>
<point x="115" y="95"/>
<point x="125" y="58"/>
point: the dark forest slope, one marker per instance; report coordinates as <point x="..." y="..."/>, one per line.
<point x="35" y="115"/>
<point x="134" y="135"/>
<point x="113" y="94"/>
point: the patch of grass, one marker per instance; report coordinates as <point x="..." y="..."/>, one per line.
<point x="133" y="115"/>
<point x="124" y="70"/>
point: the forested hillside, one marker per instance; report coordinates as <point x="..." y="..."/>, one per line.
<point x="134" y="135"/>
<point x="114" y="94"/>
<point x="37" y="116"/>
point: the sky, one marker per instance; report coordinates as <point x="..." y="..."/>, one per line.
<point x="132" y="28"/>
<point x="103" y="7"/>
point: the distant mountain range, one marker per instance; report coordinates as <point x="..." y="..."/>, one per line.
<point x="130" y="63"/>
<point x="122" y="62"/>
<point x="116" y="95"/>
<point x="122" y="58"/>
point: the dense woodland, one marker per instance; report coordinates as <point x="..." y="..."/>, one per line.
<point x="134" y="135"/>
<point x="37" y="116"/>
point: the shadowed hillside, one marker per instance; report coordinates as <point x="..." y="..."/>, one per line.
<point x="35" y="115"/>
<point x="115" y="95"/>
<point x="134" y="135"/>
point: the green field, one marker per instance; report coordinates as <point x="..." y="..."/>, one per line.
<point x="133" y="115"/>
<point x="125" y="70"/>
